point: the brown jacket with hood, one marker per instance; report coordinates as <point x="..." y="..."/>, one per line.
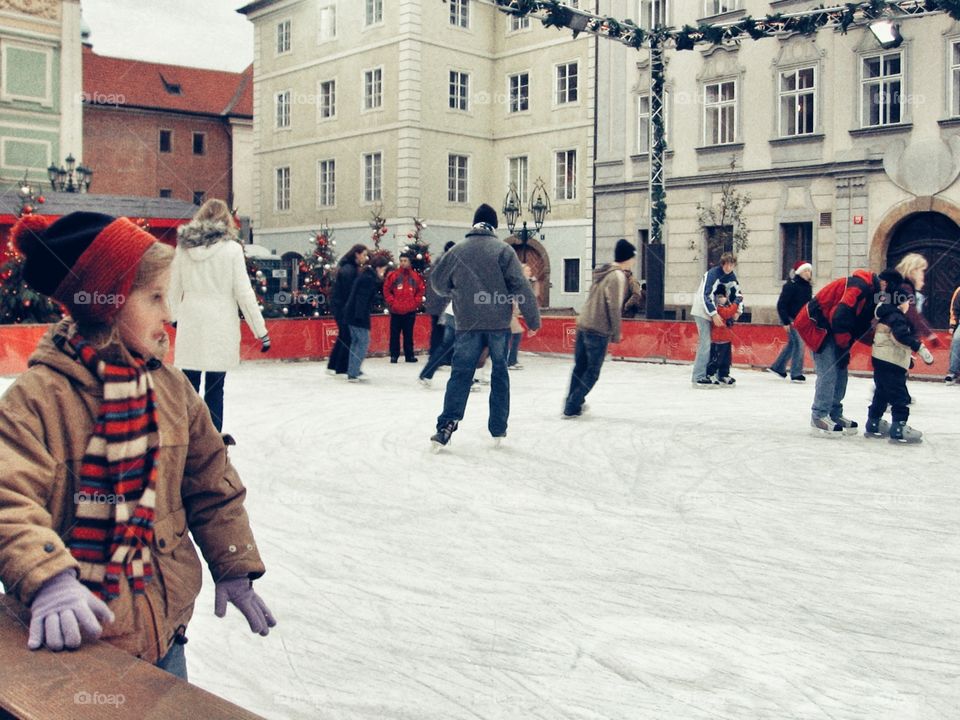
<point x="46" y="418"/>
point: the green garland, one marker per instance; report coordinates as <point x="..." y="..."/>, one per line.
<point x="560" y="16"/>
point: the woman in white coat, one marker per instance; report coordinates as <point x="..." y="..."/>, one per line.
<point x="208" y="282"/>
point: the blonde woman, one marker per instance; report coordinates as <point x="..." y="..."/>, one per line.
<point x="208" y="283"/>
<point x="913" y="268"/>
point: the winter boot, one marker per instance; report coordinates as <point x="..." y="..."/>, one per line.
<point x="903" y="433"/>
<point x="442" y="436"/>
<point x="876" y="428"/>
<point x="849" y="427"/>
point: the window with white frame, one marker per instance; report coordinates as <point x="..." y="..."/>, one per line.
<point x="566" y="177"/>
<point x="798" y="89"/>
<point x="519" y="92"/>
<point x="372" y="89"/>
<point x="720" y="112"/>
<point x="283" y="37"/>
<point x="518" y="175"/>
<point x="372" y="177"/>
<point x="459" y="90"/>
<point x="283" y="109"/>
<point x="457" y="178"/>
<point x="654" y="13"/>
<point x="881" y="88"/>
<point x="327" y="99"/>
<point x="567" y="83"/>
<point x="955" y="78"/>
<point x="327" y="183"/>
<point x="282" y="189"/>
<point x="643" y="122"/>
<point x="518" y="23"/>
<point x="373" y="12"/>
<point x="718" y="7"/>
<point x="571" y="275"/>
<point x="460" y="13"/>
<point x="327" y="29"/>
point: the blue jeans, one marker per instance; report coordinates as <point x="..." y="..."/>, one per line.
<point x="794" y="351"/>
<point x="175" y="661"/>
<point x="466" y="351"/>
<point x="831" y="381"/>
<point x="955" y="353"/>
<point x="588" y="355"/>
<point x="515" y="339"/>
<point x="703" y="348"/>
<point x="359" y="342"/>
<point x="442" y="354"/>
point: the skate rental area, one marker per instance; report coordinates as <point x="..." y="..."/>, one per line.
<point x="670" y="554"/>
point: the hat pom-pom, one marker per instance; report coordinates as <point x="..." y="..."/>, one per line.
<point x="25" y="234"/>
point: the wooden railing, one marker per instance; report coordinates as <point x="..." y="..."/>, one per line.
<point x="97" y="681"/>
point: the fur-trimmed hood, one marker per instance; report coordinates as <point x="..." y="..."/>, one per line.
<point x="202" y="233"/>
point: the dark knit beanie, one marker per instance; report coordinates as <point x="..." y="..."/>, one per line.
<point x="485" y="214"/>
<point x="87" y="261"/>
<point x="625" y="250"/>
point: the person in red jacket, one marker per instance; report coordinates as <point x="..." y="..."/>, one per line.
<point x="403" y="291"/>
<point x="721" y="340"/>
<point x="838" y="316"/>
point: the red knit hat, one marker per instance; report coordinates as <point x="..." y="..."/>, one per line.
<point x="87" y="261"/>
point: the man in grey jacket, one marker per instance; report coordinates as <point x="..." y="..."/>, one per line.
<point x="484" y="277"/>
<point x="598" y="324"/>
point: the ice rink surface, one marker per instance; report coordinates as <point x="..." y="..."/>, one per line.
<point x="673" y="554"/>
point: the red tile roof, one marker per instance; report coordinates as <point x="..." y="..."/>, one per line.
<point x="134" y="83"/>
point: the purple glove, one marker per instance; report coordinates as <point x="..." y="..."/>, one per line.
<point x="240" y="592"/>
<point x="63" y="612"/>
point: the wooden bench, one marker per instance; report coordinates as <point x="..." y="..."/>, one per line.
<point x="96" y="681"/>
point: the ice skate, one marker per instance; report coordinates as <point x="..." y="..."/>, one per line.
<point x="726" y="382"/>
<point x="775" y="371"/>
<point x="798" y="379"/>
<point x="424" y="382"/>
<point x="848" y="427"/>
<point x="876" y="428"/>
<point x="442" y="436"/>
<point x="900" y="432"/>
<point x="825" y="427"/>
<point x="706" y="383"/>
<point x="498" y="441"/>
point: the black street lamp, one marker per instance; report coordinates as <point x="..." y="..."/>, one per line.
<point x="73" y="178"/>
<point x="539" y="207"/>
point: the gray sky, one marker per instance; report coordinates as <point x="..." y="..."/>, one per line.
<point x="198" y="33"/>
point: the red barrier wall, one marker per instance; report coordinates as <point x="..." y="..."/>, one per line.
<point x="312" y="339"/>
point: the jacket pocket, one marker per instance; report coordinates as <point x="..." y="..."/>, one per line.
<point x="177" y="565"/>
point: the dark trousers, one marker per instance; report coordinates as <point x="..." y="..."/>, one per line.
<point x="719" y="363"/>
<point x="340" y="355"/>
<point x="402" y="324"/>
<point x="436" y="334"/>
<point x="212" y="393"/>
<point x="588" y="355"/>
<point x="514" y="351"/>
<point x="442" y="355"/>
<point x="890" y="388"/>
<point x="467" y="349"/>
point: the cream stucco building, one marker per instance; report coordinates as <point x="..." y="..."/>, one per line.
<point x="849" y="151"/>
<point x="420" y="108"/>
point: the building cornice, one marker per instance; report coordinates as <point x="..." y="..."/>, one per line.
<point x="126" y="107"/>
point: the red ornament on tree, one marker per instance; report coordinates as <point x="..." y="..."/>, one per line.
<point x="41" y="199"/>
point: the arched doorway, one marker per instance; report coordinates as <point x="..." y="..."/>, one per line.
<point x="937" y="238"/>
<point x="534" y="255"/>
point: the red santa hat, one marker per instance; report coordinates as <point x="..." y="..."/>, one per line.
<point x="800" y="265"/>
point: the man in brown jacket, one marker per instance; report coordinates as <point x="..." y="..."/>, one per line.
<point x="598" y="324"/>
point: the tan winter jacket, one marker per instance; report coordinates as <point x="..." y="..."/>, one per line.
<point x="46" y="418"/>
<point x="601" y="311"/>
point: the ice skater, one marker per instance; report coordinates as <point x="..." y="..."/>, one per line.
<point x="112" y="466"/>
<point x="894" y="339"/>
<point x="484" y="277"/>
<point x="599" y="322"/>
<point x="705" y="313"/>
<point x="796" y="292"/>
<point x="721" y="340"/>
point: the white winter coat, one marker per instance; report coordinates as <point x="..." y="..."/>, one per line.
<point x="208" y="282"/>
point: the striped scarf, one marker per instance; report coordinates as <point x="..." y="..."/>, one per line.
<point x="115" y="499"/>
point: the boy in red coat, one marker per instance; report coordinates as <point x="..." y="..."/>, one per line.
<point x="721" y="339"/>
<point x="403" y="290"/>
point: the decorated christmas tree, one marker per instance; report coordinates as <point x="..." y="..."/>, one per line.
<point x="317" y="271"/>
<point x="18" y="302"/>
<point x="418" y="250"/>
<point x="378" y="225"/>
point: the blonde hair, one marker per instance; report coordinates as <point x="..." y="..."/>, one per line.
<point x="216" y="210"/>
<point x="910" y="264"/>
